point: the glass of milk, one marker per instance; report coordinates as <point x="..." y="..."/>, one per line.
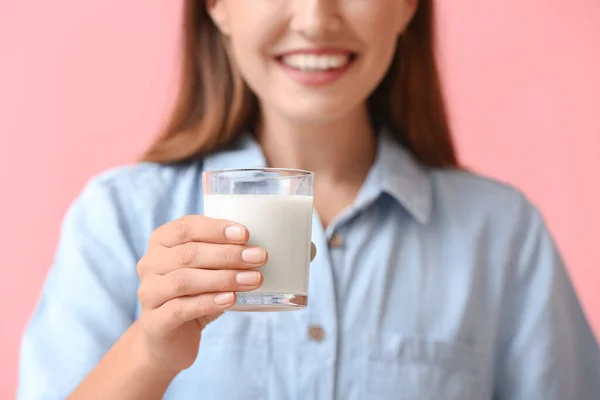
<point x="276" y="205"/>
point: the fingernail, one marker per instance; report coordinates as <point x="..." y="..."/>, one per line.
<point x="254" y="255"/>
<point x="223" y="298"/>
<point x="235" y="233"/>
<point x="248" y="278"/>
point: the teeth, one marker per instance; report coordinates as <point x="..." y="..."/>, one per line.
<point x="316" y="62"/>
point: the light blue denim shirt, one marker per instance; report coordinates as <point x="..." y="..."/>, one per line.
<point x="434" y="284"/>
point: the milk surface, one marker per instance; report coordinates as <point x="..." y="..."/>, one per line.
<point x="282" y="224"/>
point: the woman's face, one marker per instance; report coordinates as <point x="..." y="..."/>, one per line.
<point x="312" y="60"/>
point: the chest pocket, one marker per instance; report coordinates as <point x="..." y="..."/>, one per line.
<point x="231" y="363"/>
<point x="416" y="369"/>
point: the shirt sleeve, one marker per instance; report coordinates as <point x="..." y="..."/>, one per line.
<point x="88" y="300"/>
<point x="549" y="351"/>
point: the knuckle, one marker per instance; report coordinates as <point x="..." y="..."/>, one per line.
<point x="225" y="280"/>
<point x="178" y="310"/>
<point x="140" y="268"/>
<point x="146" y="295"/>
<point x="157" y="235"/>
<point x="181" y="282"/>
<point x="202" y="307"/>
<point x="142" y="295"/>
<point x="187" y="254"/>
<point x="143" y="266"/>
<point x="228" y="254"/>
<point x="183" y="228"/>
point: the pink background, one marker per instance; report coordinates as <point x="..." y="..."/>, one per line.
<point x="85" y="84"/>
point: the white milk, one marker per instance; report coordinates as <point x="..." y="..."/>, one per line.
<point x="281" y="224"/>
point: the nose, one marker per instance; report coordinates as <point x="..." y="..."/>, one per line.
<point x="315" y="19"/>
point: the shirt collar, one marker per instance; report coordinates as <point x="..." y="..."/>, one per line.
<point x="395" y="172"/>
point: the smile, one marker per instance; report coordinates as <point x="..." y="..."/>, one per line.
<point x="316" y="67"/>
<point x="316" y="62"/>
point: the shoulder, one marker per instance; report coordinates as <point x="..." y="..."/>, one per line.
<point x="133" y="200"/>
<point x="464" y="183"/>
<point x="143" y="182"/>
<point x="497" y="221"/>
<point x="142" y="187"/>
<point x="496" y="215"/>
<point x="471" y="193"/>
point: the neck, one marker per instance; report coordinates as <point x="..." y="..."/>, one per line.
<point x="337" y="151"/>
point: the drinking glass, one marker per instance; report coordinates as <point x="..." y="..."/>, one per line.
<point x="276" y="205"/>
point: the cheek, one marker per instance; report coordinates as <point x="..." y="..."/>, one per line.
<point x="380" y="45"/>
<point x="252" y="42"/>
<point x="379" y="33"/>
<point x="255" y="25"/>
<point x="250" y="59"/>
<point x="252" y="45"/>
<point x="386" y="19"/>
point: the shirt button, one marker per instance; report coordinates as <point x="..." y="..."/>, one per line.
<point x="337" y="240"/>
<point x="316" y="333"/>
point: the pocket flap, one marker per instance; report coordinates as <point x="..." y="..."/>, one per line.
<point x="400" y="367"/>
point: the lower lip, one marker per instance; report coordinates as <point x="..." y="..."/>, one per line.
<point x="315" y="78"/>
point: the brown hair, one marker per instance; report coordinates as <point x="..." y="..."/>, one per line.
<point x="214" y="104"/>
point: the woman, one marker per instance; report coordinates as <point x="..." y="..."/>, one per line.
<point x="430" y="282"/>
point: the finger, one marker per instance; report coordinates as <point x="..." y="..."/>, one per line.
<point x="198" y="228"/>
<point x="313" y="251"/>
<point x="162" y="260"/>
<point x="165" y="319"/>
<point x="158" y="289"/>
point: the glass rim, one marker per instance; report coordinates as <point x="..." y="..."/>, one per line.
<point x="292" y="172"/>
